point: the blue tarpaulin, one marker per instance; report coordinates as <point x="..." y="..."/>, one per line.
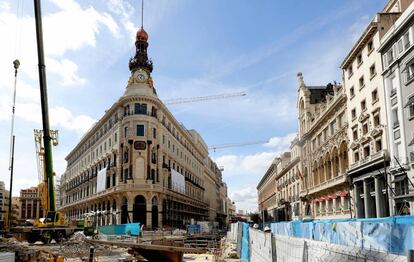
<point x="391" y="234"/>
<point x="132" y="229"/>
<point x="245" y="244"/>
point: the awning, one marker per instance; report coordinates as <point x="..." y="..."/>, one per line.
<point x="399" y="179"/>
<point x="333" y="196"/>
<point x="343" y="194"/>
<point x="315" y="200"/>
<point x="322" y="199"/>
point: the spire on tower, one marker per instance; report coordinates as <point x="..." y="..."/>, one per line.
<point x="140" y="60"/>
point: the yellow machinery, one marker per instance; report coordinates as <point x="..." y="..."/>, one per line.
<point x="53" y="218"/>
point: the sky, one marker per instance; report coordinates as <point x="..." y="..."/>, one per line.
<point x="199" y="48"/>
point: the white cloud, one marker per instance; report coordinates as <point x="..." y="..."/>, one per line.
<point x="67" y="70"/>
<point x="281" y="142"/>
<point x="245" y="198"/>
<point x="61" y="116"/>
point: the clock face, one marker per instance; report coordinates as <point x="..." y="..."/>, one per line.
<point x="141" y="77"/>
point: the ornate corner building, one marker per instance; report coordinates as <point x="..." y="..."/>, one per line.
<point x="324" y="150"/>
<point x="139" y="164"/>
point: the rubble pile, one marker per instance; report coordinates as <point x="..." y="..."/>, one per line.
<point x="24" y="252"/>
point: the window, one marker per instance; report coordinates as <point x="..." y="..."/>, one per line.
<point x="154" y="133"/>
<point x="374" y="96"/>
<point x="406" y="40"/>
<point x="400" y="46"/>
<point x="355" y="133"/>
<point x="377" y="120"/>
<point x="333" y="127"/>
<point x="140" y="109"/>
<point x="361" y="82"/>
<point x="365" y="128"/>
<point x="116" y="137"/>
<point x="140" y="130"/>
<point x="394" y="101"/>
<point x="410" y="106"/>
<point x="366" y="151"/>
<point x="363" y="105"/>
<point x="410" y="71"/>
<point x="359" y="59"/>
<point x="370" y="46"/>
<point x="372" y="71"/>
<point x="356" y="156"/>
<point x="125" y="131"/>
<point x="396" y="122"/>
<point x="350" y="71"/>
<point x="397" y="134"/>
<point x="353" y="113"/>
<point x="378" y="145"/>
<point x="389" y="57"/>
<point x="351" y="92"/>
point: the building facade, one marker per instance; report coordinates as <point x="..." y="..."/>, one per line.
<point x="288" y="185"/>
<point x="367" y="118"/>
<point x="30" y="206"/>
<point x="266" y="190"/>
<point x="4" y="203"/>
<point x="324" y="150"/>
<point x="398" y="75"/>
<point x="139" y="164"/>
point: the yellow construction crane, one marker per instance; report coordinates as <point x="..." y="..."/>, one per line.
<point x="202" y="98"/>
<point x="221" y="146"/>
<point x="40" y="152"/>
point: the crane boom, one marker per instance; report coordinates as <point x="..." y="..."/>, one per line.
<point x="214" y="147"/>
<point x="48" y="162"/>
<point x="175" y="101"/>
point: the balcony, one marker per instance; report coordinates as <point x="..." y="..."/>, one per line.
<point x="329" y="183"/>
<point x="393" y="92"/>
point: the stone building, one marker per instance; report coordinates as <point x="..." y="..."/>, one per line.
<point x="324" y="150"/>
<point x="366" y="116"/>
<point x="139" y="164"/>
<point x="4" y="203"/>
<point x="398" y="76"/>
<point x="266" y="190"/>
<point x="288" y="184"/>
<point x="30" y="206"/>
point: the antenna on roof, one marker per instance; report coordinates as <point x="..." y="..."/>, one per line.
<point x="142" y="13"/>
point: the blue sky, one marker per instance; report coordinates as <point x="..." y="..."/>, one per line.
<point x="202" y="47"/>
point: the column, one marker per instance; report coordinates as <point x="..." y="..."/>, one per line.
<point x="160" y="212"/>
<point x="359" y="209"/>
<point x="367" y="199"/>
<point x="379" y="197"/>
<point x="32" y="209"/>
<point x="149" y="210"/>
<point x="37" y="208"/>
<point x="130" y="209"/>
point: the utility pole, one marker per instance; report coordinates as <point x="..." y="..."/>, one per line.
<point x="16" y="65"/>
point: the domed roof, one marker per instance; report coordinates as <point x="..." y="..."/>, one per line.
<point x="142" y="35"/>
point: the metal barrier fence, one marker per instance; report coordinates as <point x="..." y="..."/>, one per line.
<point x="267" y="247"/>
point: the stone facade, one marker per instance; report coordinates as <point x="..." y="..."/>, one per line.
<point x="30" y="206"/>
<point x="368" y="150"/>
<point x="324" y="150"/>
<point x="288" y="184"/>
<point x="398" y="71"/>
<point x="4" y="203"/>
<point x="267" y="193"/>
<point x="140" y="148"/>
